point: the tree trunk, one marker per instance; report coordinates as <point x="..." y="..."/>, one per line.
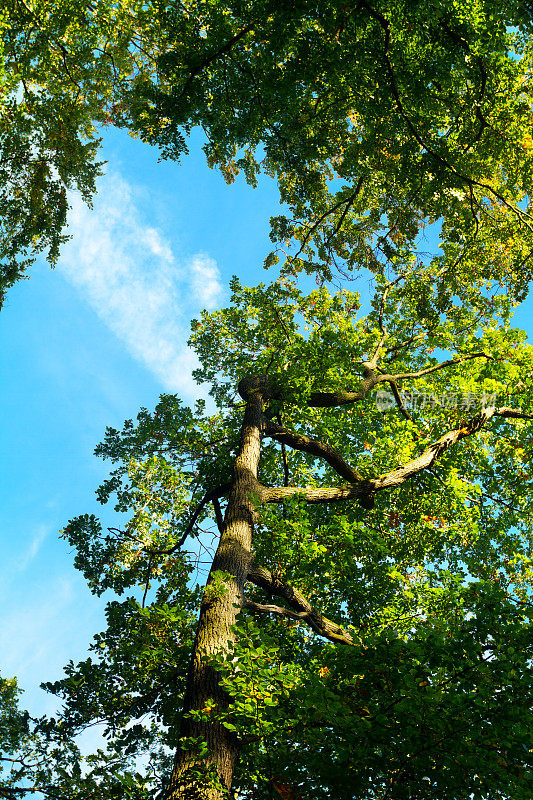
<point x="195" y="774"/>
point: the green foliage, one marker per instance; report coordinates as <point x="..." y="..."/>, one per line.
<point x="13" y="723"/>
<point x="375" y="120"/>
<point x="35" y="756"/>
<point x="433" y="583"/>
<point x="129" y="683"/>
<point x="164" y="465"/>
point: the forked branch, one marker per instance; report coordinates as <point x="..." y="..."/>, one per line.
<point x="372" y="378"/>
<point x="365" y="490"/>
<point x="301" y="609"/>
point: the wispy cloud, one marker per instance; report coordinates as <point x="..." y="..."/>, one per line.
<point x="33" y="548"/>
<point x="41" y="629"/>
<point x="205" y="281"/>
<point x="128" y="273"/>
<point x="14" y="566"/>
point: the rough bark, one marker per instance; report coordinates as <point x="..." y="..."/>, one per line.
<point x="192" y="775"/>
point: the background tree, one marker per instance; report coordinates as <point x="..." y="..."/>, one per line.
<point x="39" y="759"/>
<point x="374" y="119"/>
<point x="33" y="753"/>
<point x="61" y="66"/>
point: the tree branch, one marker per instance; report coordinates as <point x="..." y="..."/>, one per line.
<point x="399" y="401"/>
<point x="147" y="582"/>
<point x="209" y="496"/>
<point x="347" y="207"/>
<point x="225" y="48"/>
<point x="347" y="202"/>
<point x="371" y="379"/>
<point x="513" y="413"/>
<point x="343" y="397"/>
<point x="218" y="514"/>
<point x="443" y="364"/>
<point x="365" y="490"/>
<point x="286" y="474"/>
<point x="372" y="364"/>
<point x="301" y="607"/>
<point x="299" y="442"/>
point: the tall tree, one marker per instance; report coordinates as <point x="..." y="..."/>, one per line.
<point x="365" y="629"/>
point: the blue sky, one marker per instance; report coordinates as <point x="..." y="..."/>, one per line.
<point x="88" y="344"/>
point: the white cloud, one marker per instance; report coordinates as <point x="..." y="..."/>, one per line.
<point x="205" y="281"/>
<point x="126" y="270"/>
<point x="38" y="538"/>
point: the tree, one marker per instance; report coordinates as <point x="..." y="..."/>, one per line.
<point x="374" y="639"/>
<point x="365" y="628"/>
<point x="33" y="752"/>
<point x="373" y="119"/>
<point x="38" y="758"/>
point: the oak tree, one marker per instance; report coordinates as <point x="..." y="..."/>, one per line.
<point x="365" y="628"/>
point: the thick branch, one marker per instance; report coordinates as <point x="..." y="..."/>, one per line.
<point x="342" y="397"/>
<point x="372" y="364"/>
<point x="512" y="413"/>
<point x="365" y="490"/>
<point x="218" y="514"/>
<point x="320" y="494"/>
<point x="301" y="608"/>
<point x="371" y="379"/>
<point x="431" y="454"/>
<point x="315" y="448"/>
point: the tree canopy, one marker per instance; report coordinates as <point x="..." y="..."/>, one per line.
<point x="375" y="119"/>
<point x="359" y="492"/>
